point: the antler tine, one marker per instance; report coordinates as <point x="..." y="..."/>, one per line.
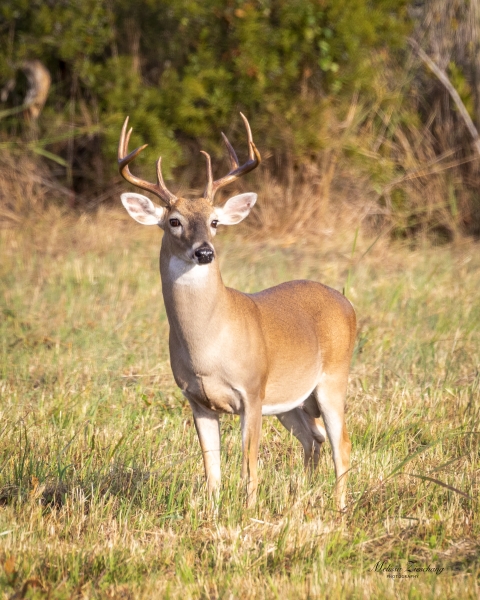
<point x="251" y="145"/>
<point x="236" y="170"/>
<point x="167" y="195"/>
<point x="162" y="187"/>
<point x="127" y="141"/>
<point x="159" y="189"/>
<point x="231" y="153"/>
<point x="121" y="143"/>
<point x="207" y="192"/>
<point x="123" y="160"/>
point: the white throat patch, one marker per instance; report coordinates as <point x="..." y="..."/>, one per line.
<point x="186" y="273"/>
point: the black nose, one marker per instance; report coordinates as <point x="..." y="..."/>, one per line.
<point x="204" y="254"/>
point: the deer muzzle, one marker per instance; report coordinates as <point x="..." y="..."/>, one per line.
<point x="204" y="255"/>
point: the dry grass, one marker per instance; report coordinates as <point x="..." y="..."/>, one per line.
<point x="26" y="186"/>
<point x="101" y="480"/>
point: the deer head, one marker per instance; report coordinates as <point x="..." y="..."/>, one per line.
<point x="189" y="224"/>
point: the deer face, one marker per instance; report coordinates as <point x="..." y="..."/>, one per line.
<point x="189" y="225"/>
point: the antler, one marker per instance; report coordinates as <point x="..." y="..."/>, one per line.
<point x="159" y="189"/>
<point x="236" y="170"/>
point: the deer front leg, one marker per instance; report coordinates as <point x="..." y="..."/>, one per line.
<point x="207" y="424"/>
<point x="251" y="419"/>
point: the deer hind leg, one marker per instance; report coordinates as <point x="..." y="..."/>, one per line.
<point x="330" y="394"/>
<point x="310" y="408"/>
<point x="251" y="420"/>
<point x="303" y="424"/>
<point x="207" y="424"/>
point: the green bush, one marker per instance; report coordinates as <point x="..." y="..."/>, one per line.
<point x="182" y="70"/>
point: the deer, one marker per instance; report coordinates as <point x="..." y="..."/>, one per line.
<point x="284" y="351"/>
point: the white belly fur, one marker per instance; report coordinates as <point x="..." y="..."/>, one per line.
<point x="278" y="409"/>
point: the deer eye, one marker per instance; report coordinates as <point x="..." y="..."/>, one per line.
<point x="214" y="224"/>
<point x="175" y="223"/>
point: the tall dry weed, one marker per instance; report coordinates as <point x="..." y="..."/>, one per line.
<point x="26" y="186"/>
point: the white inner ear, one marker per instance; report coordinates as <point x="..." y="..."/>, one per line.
<point x="235" y="209"/>
<point x="142" y="209"/>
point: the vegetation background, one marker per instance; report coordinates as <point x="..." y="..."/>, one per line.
<point x="369" y="183"/>
<point x="342" y="108"/>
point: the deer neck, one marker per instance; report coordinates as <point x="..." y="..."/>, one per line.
<point x="194" y="297"/>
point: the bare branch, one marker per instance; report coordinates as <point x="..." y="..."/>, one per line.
<point x="442" y="76"/>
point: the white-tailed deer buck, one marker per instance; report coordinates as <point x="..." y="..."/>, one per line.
<point x="285" y="351"/>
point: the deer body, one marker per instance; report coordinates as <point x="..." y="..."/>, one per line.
<point x="284" y="351"/>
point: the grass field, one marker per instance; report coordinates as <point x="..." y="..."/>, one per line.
<point x="101" y="478"/>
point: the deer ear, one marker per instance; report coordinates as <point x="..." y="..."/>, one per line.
<point x="236" y="209"/>
<point x="143" y="210"/>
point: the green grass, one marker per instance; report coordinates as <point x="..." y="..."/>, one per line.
<point x="102" y="491"/>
